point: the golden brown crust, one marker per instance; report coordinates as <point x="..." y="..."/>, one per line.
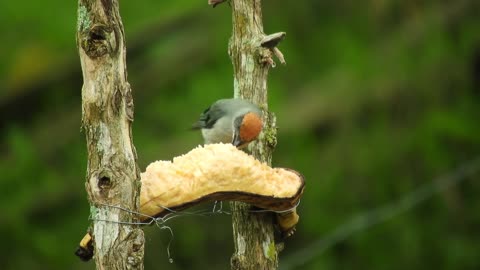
<point x="217" y="172"/>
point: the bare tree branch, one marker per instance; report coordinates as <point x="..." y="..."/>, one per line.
<point x="251" y="53"/>
<point x="107" y="114"/>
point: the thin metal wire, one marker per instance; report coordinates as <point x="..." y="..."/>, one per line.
<point x="161" y="221"/>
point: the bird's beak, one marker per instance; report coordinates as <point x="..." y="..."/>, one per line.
<point x="237" y="142"/>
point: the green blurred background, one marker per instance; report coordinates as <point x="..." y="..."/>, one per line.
<point x="377" y="98"/>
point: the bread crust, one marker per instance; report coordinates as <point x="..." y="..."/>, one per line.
<point x="217" y="172"/>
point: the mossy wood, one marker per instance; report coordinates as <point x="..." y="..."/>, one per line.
<point x="251" y="52"/>
<point x="107" y="114"/>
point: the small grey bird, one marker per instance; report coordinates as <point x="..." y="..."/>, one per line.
<point x="235" y="121"/>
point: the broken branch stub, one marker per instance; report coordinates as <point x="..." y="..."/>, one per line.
<point x="217" y="172"/>
<point x="214" y="3"/>
<point x="271" y="41"/>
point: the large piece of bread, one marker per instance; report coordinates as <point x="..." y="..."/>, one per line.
<point x="217" y="172"/>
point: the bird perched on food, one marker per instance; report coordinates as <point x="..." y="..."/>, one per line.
<point x="235" y="121"/>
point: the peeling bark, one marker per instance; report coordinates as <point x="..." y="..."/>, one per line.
<point x="113" y="176"/>
<point x="253" y="232"/>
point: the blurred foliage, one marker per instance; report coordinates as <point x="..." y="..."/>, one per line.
<point x="376" y="99"/>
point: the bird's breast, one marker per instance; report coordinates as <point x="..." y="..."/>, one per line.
<point x="221" y="132"/>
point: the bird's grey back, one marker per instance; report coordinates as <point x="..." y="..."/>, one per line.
<point x="239" y="106"/>
<point x="230" y="107"/>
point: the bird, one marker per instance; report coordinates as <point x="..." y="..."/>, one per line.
<point x="234" y="121"/>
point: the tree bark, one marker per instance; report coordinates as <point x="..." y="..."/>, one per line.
<point x="253" y="232"/>
<point x="113" y="176"/>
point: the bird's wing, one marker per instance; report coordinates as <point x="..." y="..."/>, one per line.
<point x="209" y="117"/>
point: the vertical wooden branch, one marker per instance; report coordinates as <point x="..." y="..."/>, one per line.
<point x="107" y="113"/>
<point x="251" y="52"/>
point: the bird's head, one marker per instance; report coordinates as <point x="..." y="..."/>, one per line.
<point x="246" y="128"/>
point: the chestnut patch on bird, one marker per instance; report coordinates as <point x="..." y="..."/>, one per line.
<point x="251" y="127"/>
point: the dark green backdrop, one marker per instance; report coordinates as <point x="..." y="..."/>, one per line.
<point x="377" y="98"/>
